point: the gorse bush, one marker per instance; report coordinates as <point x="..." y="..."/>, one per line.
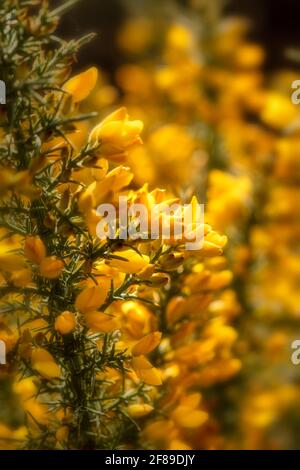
<point x="110" y="343"/>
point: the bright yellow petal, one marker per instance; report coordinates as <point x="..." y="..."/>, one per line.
<point x="82" y="85"/>
<point x="44" y="364"/>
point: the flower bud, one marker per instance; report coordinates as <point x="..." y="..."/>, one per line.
<point x="51" y="267"/>
<point x="65" y="323"/>
<point x="139" y="410"/>
<point x="80" y="86"/>
<point x="171" y="261"/>
<point x="43" y="362"/>
<point x="159" y="280"/>
<point x="146" y="272"/>
<point x="34" y="249"/>
<point x="116" y="134"/>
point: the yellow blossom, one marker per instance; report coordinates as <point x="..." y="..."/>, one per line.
<point x="51" y="267"/>
<point x="116" y="134"/>
<point x="139" y="410"/>
<point x="128" y="261"/>
<point x="92" y="297"/>
<point x="34" y="249"/>
<point x="44" y="363"/>
<point x="147" y="344"/>
<point x="145" y="371"/>
<point x="80" y="86"/>
<point x="65" y="323"/>
<point x="98" y="321"/>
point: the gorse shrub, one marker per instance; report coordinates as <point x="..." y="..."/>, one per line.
<point x="110" y="342"/>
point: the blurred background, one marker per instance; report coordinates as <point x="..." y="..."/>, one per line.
<point x="273" y="24"/>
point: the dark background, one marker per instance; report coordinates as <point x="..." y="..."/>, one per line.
<point x="274" y="24"/>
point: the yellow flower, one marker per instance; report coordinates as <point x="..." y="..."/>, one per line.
<point x="145" y="371"/>
<point x="21" y="278"/>
<point x="139" y="410"/>
<point x="116" y="134"/>
<point x="37" y="412"/>
<point x="179" y="38"/>
<point x="93" y="297"/>
<point x="80" y="86"/>
<point x="210" y="249"/>
<point x="90" y="174"/>
<point x="97" y="192"/>
<point x="187" y="418"/>
<point x="278" y="111"/>
<point x="65" y="323"/>
<point x="44" y="364"/>
<point x="34" y="249"/>
<point x="128" y="261"/>
<point x="25" y="388"/>
<point x="249" y="55"/>
<point x="51" y="267"/>
<point x="175" y="309"/>
<point x="187" y="415"/>
<point x="136" y="319"/>
<point x="114" y="181"/>
<point x="9" y="261"/>
<point x="147" y="344"/>
<point x="98" y="321"/>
